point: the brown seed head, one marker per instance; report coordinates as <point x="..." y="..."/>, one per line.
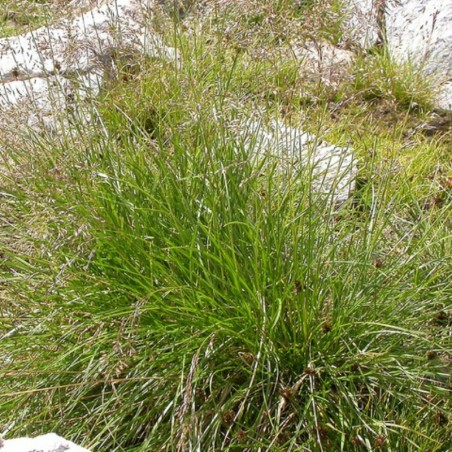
<point x="228" y="417"/>
<point x="356" y="441"/>
<point x="327" y="326"/>
<point x="298" y="287"/>
<point x="440" y="418"/>
<point x="241" y="435"/>
<point x="247" y="357"/>
<point x="287" y="393"/>
<point x="380" y="441"/>
<point x="441" y="319"/>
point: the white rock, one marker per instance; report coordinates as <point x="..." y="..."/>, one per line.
<point x="416" y="30"/>
<point x="324" y="61"/>
<point x="444" y="99"/>
<point x="44" y="443"/>
<point x="421" y="31"/>
<point x="80" y="45"/>
<point x="333" y="168"/>
<point x="43" y="72"/>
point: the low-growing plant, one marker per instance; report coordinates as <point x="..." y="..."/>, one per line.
<point x="379" y="76"/>
<point x="164" y="288"/>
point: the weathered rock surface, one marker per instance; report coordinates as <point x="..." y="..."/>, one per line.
<point x="324" y="61"/>
<point x="85" y="44"/>
<point x="421" y="31"/>
<point x="46" y="71"/>
<point x="44" y="443"/>
<point x="416" y="30"/>
<point x="332" y="168"/>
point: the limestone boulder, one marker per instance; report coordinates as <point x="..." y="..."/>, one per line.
<point x="419" y="31"/>
<point x="331" y="169"/>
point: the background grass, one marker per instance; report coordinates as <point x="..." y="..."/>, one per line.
<point x="161" y="288"/>
<point x="20" y="16"/>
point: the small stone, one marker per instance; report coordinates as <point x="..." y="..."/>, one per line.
<point x="50" y="442"/>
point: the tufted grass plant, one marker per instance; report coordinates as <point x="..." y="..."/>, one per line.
<point x="163" y="289"/>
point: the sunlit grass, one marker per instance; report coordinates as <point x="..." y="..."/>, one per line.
<point x="20" y="16"/>
<point x="163" y="289"/>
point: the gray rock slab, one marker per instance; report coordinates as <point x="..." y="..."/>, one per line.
<point x="80" y="45"/>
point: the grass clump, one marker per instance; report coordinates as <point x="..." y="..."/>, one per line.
<point x="404" y="84"/>
<point x="164" y="289"/>
<point x="205" y="309"/>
